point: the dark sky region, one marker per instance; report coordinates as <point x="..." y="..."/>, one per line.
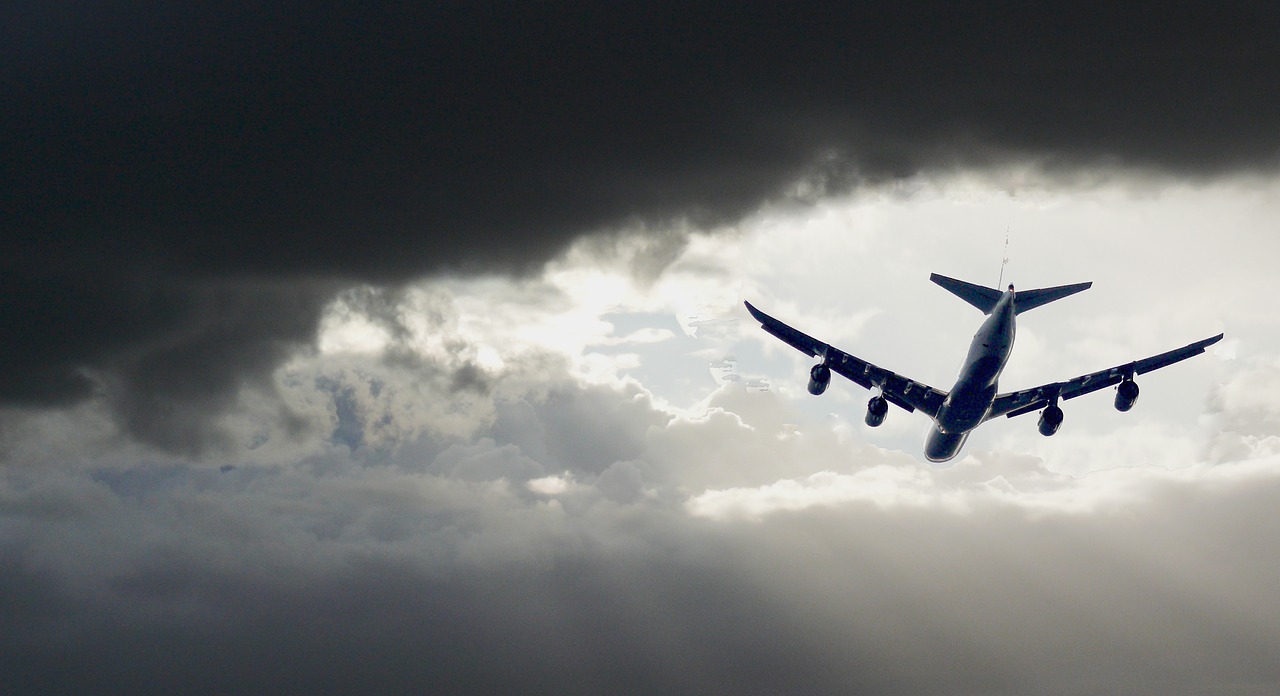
<point x="197" y="496"/>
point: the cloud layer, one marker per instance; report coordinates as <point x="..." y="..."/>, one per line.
<point x="444" y="499"/>
<point x="167" y="168"/>
<point x="580" y="539"/>
<point x="245" y="447"/>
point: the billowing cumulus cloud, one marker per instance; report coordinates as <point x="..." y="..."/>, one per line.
<point x="580" y="539"/>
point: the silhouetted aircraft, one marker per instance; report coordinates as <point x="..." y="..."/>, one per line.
<point x="974" y="398"/>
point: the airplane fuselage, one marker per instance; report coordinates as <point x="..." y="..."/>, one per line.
<point x="969" y="401"/>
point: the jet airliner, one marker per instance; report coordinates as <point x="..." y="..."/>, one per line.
<point x="975" y="398"/>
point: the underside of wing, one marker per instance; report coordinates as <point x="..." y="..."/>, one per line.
<point x="1028" y="400"/>
<point x="901" y="391"/>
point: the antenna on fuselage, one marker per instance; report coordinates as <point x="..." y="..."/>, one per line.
<point x="1005" y="261"/>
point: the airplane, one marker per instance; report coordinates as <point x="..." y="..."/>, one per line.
<point x="974" y="399"/>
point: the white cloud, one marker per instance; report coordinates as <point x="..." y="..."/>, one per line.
<point x="550" y="485"/>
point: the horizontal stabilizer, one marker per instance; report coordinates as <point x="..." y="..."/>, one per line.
<point x="1030" y="299"/>
<point x="983" y="298"/>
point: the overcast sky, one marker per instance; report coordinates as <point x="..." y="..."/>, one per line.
<point x="375" y="349"/>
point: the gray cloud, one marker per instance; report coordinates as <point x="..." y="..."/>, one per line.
<point x="428" y="564"/>
<point x="157" y="156"/>
<point x="188" y="188"/>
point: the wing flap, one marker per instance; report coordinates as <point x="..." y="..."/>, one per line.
<point x="800" y="341"/>
<point x="1028" y="400"/>
<point x="900" y="391"/>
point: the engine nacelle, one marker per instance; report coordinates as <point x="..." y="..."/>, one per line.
<point x="1126" y="394"/>
<point x="877" y="409"/>
<point x="1050" y="420"/>
<point x="819" y="378"/>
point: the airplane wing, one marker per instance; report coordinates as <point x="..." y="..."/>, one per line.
<point x="898" y="390"/>
<point x="1028" y="400"/>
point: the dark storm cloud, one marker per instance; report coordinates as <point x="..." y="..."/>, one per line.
<point x="276" y="582"/>
<point x="153" y="152"/>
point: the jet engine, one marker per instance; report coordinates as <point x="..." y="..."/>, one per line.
<point x="1126" y="394"/>
<point x="819" y="378"/>
<point x="877" y="408"/>
<point x="1050" y="420"/>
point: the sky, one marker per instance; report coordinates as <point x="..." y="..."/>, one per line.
<point x="384" y="349"/>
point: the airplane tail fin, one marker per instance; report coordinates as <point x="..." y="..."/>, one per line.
<point x="1030" y="299"/>
<point x="985" y="298"/>
<point x="981" y="297"/>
